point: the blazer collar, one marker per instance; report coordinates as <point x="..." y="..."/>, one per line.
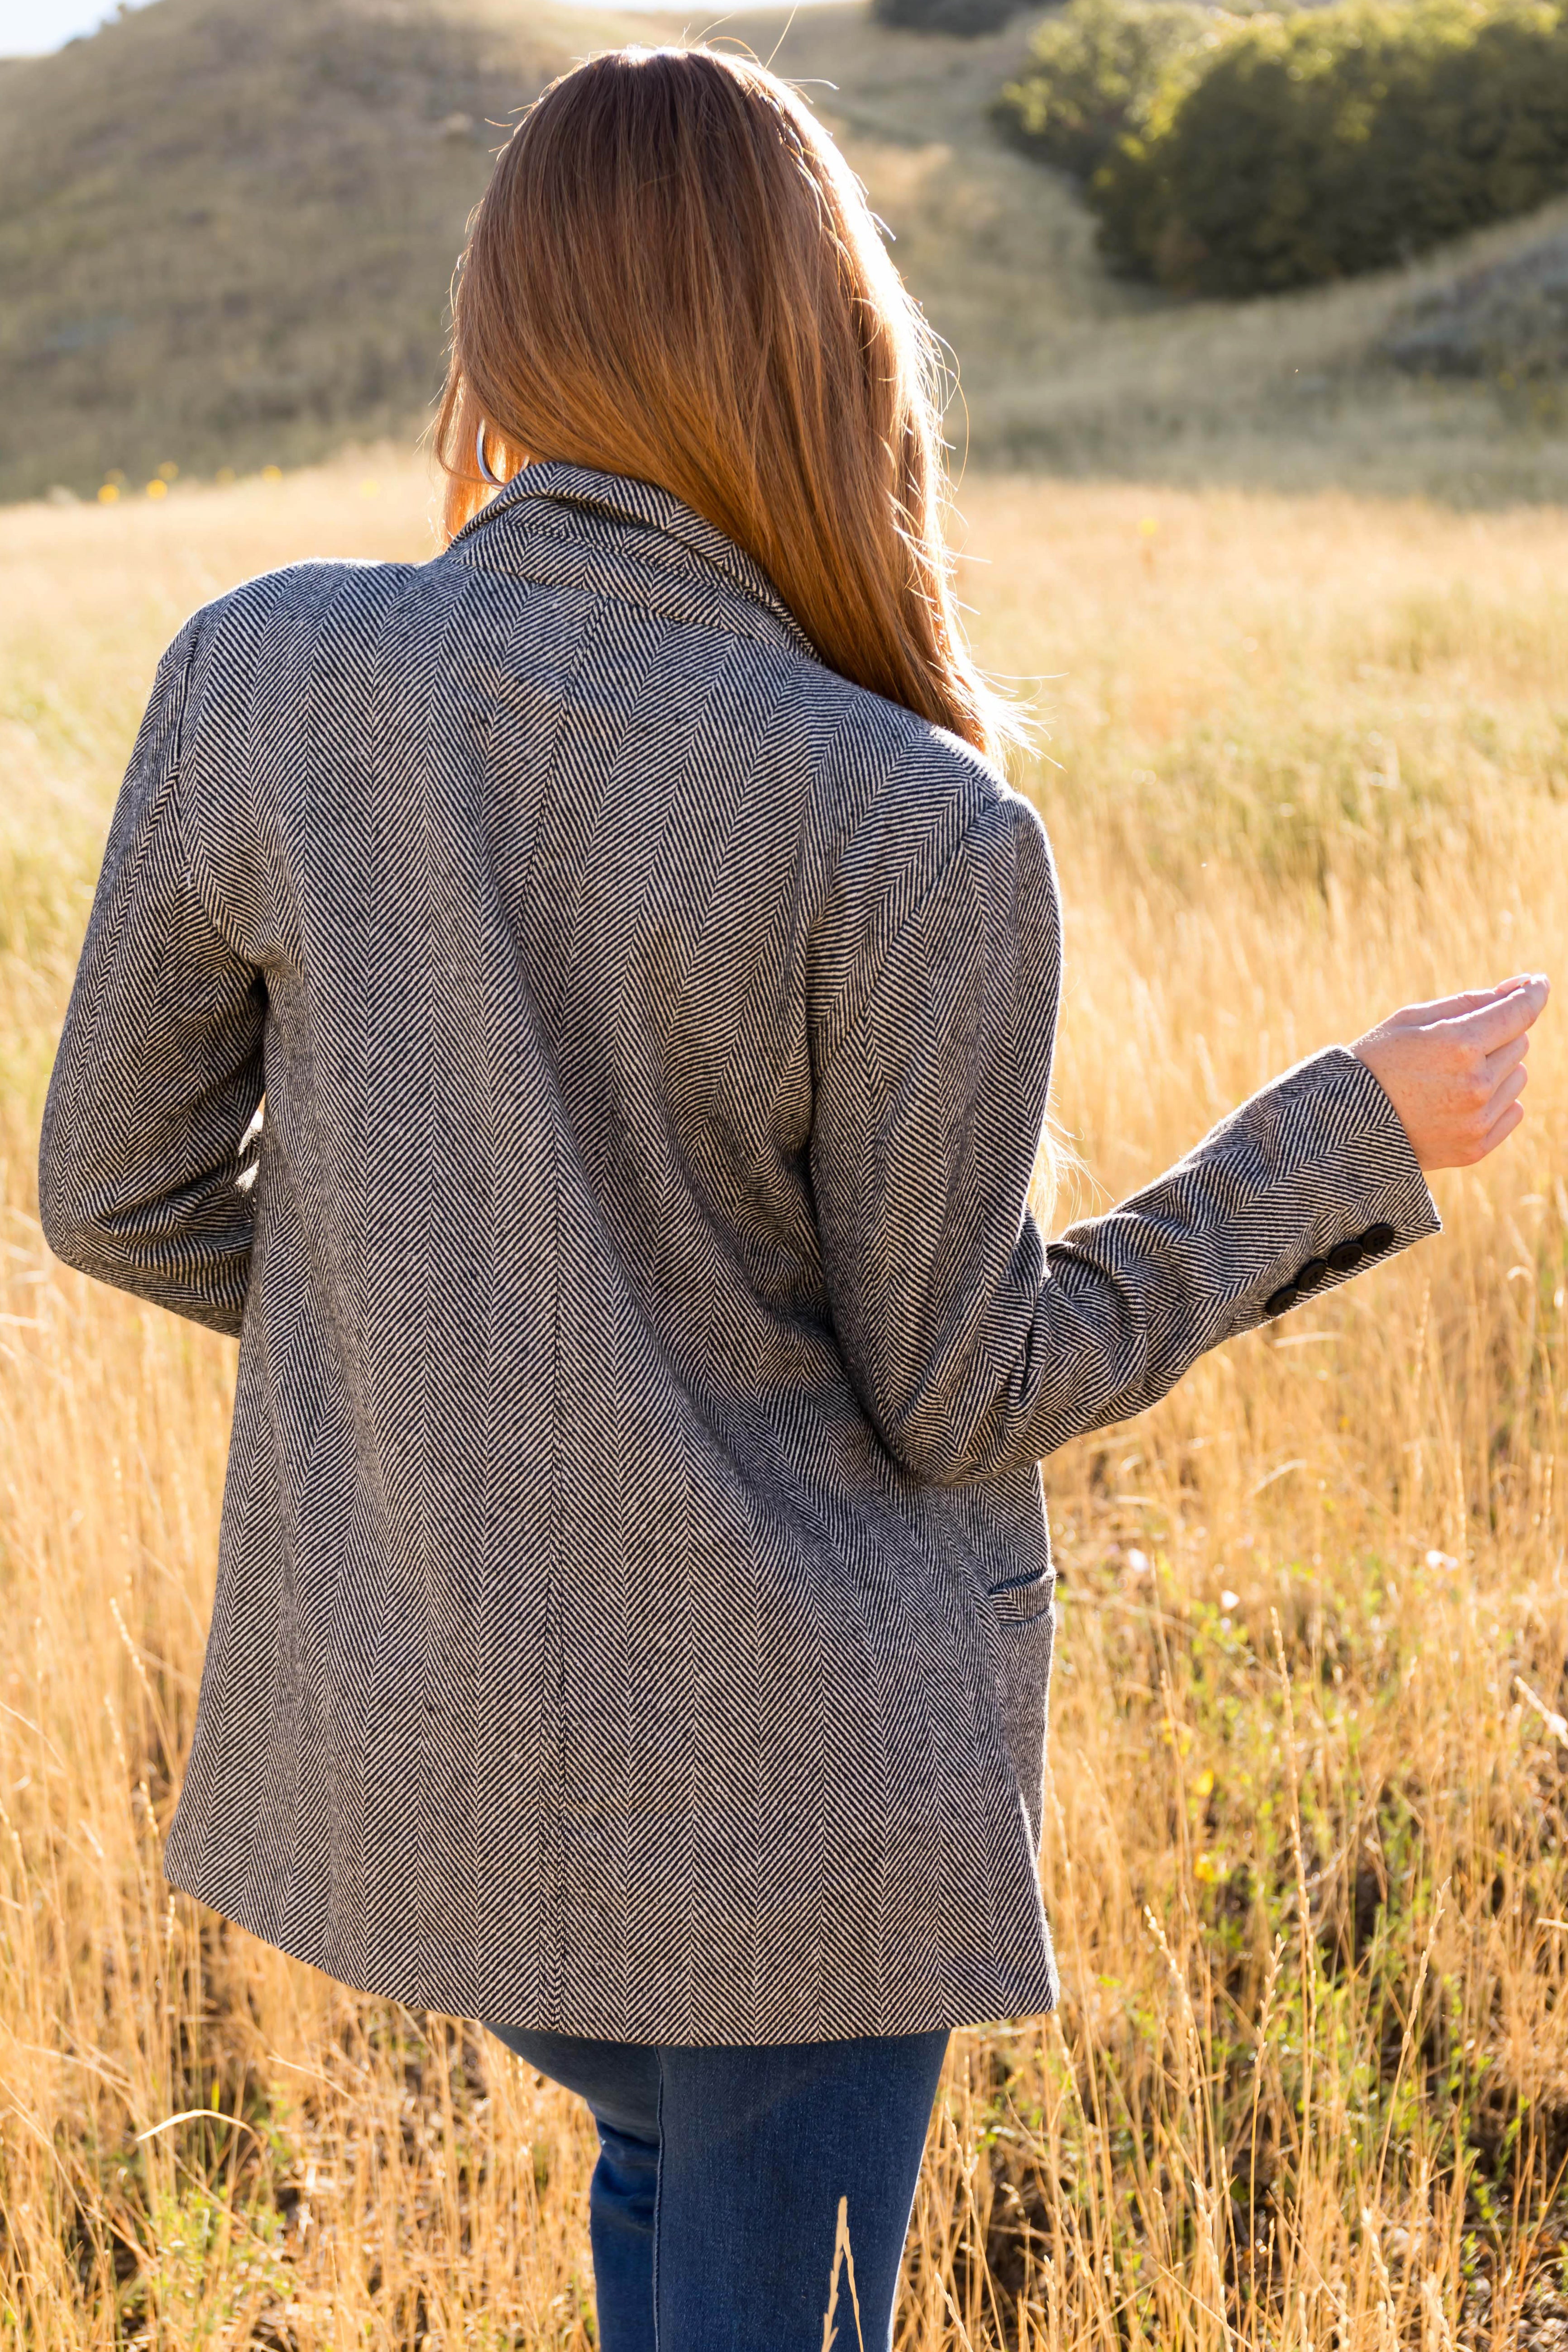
<point x="618" y="498"/>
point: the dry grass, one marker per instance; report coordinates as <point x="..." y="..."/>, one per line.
<point x="1308" y="2085"/>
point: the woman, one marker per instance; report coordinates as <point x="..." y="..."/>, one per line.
<point x="633" y="1603"/>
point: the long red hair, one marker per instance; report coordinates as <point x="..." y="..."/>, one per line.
<point x="674" y="275"/>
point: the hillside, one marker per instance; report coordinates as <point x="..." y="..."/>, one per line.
<point x="1066" y="368"/>
<point x="226" y="233"/>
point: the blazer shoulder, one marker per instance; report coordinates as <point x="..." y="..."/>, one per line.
<point x="929" y="804"/>
<point x="310" y="595"/>
<point x="879" y="766"/>
<point x="931" y="789"/>
<point x="203" y="670"/>
<point x="941" y="769"/>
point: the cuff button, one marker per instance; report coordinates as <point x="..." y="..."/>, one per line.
<point x="1378" y="1237"/>
<point x="1347" y="1258"/>
<point x="1282" y="1300"/>
<point x="1308" y="1275"/>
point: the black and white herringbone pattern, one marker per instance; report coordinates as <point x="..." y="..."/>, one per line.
<point x="634" y="1600"/>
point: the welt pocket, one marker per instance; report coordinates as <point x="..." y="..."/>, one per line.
<point x="1015" y="1604"/>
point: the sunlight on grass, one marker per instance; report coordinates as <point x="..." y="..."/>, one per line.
<point x="1304" y="1846"/>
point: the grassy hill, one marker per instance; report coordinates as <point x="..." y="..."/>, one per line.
<point x="226" y="233"/>
<point x="1066" y="368"/>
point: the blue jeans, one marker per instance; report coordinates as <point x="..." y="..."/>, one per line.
<point x="714" y="2204"/>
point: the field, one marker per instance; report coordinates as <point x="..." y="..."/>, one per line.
<point x="1302" y="758"/>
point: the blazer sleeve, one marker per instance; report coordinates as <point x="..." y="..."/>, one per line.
<point x="974" y="1344"/>
<point x="149" y="1127"/>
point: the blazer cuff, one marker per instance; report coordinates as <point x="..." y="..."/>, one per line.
<point x="1363" y="1193"/>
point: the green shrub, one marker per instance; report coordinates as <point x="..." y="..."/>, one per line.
<point x="1094" y="71"/>
<point x="1339" y="140"/>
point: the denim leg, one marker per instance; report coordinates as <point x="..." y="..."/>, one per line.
<point x="620" y="2082"/>
<point x="715" y="2201"/>
<point x="759" y="2145"/>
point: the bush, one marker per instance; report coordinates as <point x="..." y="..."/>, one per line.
<point x="1095" y="70"/>
<point x="1339" y="140"/>
<point x="969" y="16"/>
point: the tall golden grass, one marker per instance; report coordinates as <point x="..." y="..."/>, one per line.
<point x="1304" y="1852"/>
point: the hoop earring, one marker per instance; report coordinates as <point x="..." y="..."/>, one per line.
<point x="495" y="480"/>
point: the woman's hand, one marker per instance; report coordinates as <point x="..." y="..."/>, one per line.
<point x="1455" y="1070"/>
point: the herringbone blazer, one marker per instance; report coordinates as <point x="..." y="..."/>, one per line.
<point x="594" y="1056"/>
